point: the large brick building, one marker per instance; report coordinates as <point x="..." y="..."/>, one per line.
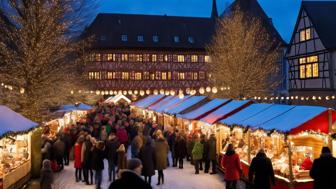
<point x="148" y="52"/>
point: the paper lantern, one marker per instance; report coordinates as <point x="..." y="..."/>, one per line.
<point x="214" y="90"/>
<point x="142" y="92"/>
<point x="208" y="89"/>
<point x="97" y="92"/>
<point x="136" y="92"/>
<point x="130" y="92"/>
<point x="201" y="90"/>
<point x="148" y="91"/>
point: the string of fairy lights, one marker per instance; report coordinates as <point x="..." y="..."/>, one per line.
<point x="190" y="91"/>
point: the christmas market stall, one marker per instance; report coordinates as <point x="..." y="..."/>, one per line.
<point x="151" y="109"/>
<point x="185" y="106"/>
<point x="292" y="136"/>
<point x="15" y="148"/>
<point x="118" y="98"/>
<point x="159" y="111"/>
<point x="207" y="123"/>
<point x="139" y="107"/>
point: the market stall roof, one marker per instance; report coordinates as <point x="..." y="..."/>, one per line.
<point x="300" y="118"/>
<point x="170" y="104"/>
<point x="11" y="121"/>
<point x="117" y="98"/>
<point x="186" y="104"/>
<point x="264" y="116"/>
<point x="83" y="106"/>
<point x="73" y="107"/>
<point x="226" y="110"/>
<point x="149" y="100"/>
<point x="204" y="110"/>
<point x="245" y="113"/>
<point x="162" y="102"/>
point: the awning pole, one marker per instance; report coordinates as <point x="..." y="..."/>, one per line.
<point x="291" y="176"/>
<point x="249" y="145"/>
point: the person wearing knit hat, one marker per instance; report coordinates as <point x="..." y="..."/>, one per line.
<point x="130" y="177"/>
<point x="323" y="170"/>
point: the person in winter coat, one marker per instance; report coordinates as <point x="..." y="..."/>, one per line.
<point x="147" y="157"/>
<point x="98" y="165"/>
<point x="86" y="156"/>
<point x="122" y="159"/>
<point x="46" y="175"/>
<point x="212" y="156"/>
<point x="136" y="145"/>
<point x="78" y="158"/>
<point x="190" y="146"/>
<point x="197" y="153"/>
<point x="122" y="136"/>
<point x="66" y="138"/>
<point x="130" y="177"/>
<point x="204" y="142"/>
<point x="58" y="151"/>
<point x="171" y="137"/>
<point x="112" y="145"/>
<point x="103" y="133"/>
<point x="307" y="163"/>
<point x="161" y="156"/>
<point x="261" y="171"/>
<point x="46" y="147"/>
<point x="232" y="167"/>
<point x="180" y="148"/>
<point x="324" y="170"/>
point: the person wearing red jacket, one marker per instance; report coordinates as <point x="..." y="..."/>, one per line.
<point x="232" y="168"/>
<point x="307" y="163"/>
<point x="78" y="158"/>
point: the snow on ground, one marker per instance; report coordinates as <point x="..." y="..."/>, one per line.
<point x="174" y="179"/>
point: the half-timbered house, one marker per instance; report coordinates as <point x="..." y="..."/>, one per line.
<point x="312" y="52"/>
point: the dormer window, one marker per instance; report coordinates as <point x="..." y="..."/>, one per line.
<point x="124" y="38"/>
<point x="140" y="38"/>
<point x="191" y="39"/>
<point x="155" y="38"/>
<point x="176" y="39"/>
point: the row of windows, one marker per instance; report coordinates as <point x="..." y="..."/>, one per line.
<point x="306" y="34"/>
<point x="158" y="75"/>
<point x="309" y="67"/>
<point x="155" y="38"/>
<point x="148" y="57"/>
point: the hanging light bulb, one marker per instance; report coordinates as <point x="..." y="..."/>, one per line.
<point x="102" y="93"/>
<point x="156" y="92"/>
<point x="333" y="97"/>
<point x="276" y="98"/>
<point x="97" y="92"/>
<point x="327" y="98"/>
<point x="130" y="92"/>
<point x="162" y="91"/>
<point x="120" y="92"/>
<point x="148" y="92"/>
<point x="228" y="88"/>
<point x="124" y="92"/>
<point x="172" y="92"/>
<point x="302" y="98"/>
<point x="167" y="92"/>
<point x="115" y="92"/>
<point x="282" y="98"/>
<point x="314" y="98"/>
<point x="188" y="90"/>
<point x="71" y="92"/>
<point x="214" y="90"/>
<point x="106" y="92"/>
<point x="192" y="92"/>
<point x="320" y="98"/>
<point x="136" y="92"/>
<point x="222" y="88"/>
<point x="201" y="90"/>
<point x="142" y="93"/>
<point x="287" y="98"/>
<point x="296" y="97"/>
<point x="2" y="84"/>
<point x="181" y="95"/>
<point x="208" y="89"/>
<point x="111" y="92"/>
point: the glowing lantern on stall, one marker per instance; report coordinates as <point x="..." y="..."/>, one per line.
<point x="142" y="92"/>
<point x="148" y="91"/>
<point x="208" y="89"/>
<point x="214" y="90"/>
<point x="201" y="90"/>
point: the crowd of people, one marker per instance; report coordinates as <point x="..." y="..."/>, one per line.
<point x="110" y="130"/>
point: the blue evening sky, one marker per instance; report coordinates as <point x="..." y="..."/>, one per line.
<point x="283" y="12"/>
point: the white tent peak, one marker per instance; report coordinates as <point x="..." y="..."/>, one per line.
<point x="117" y="98"/>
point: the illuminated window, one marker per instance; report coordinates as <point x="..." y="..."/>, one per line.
<point x="98" y="57"/>
<point x="195" y="76"/>
<point x="125" y="76"/>
<point x="154" y="58"/>
<point x="124" y="57"/>
<point x="146" y="76"/>
<point x="94" y="75"/>
<point x="109" y="75"/>
<point x="169" y="75"/>
<point x="180" y="58"/>
<point x="181" y="76"/>
<point x="194" y="58"/>
<point x="140" y="38"/>
<point x="164" y="76"/>
<point x="138" y="76"/>
<point x="132" y="57"/>
<point x="201" y="75"/>
<point x="152" y="76"/>
<point x="109" y="57"/>
<point x="124" y="38"/>
<point x="309" y="67"/>
<point x="91" y="75"/>
<point x="305" y="34"/>
<point x="166" y="58"/>
<point x="157" y="75"/>
<point x="206" y="58"/>
<point x="191" y="40"/>
<point x="176" y="39"/>
<point x="156" y="38"/>
<point x="139" y="57"/>
<point x="146" y="57"/>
